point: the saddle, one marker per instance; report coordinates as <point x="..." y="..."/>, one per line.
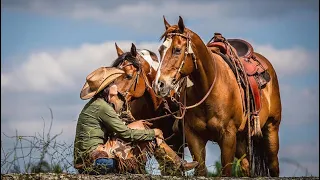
<point x="249" y="67"/>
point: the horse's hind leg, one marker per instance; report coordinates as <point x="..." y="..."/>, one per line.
<point x="197" y="147"/>
<point x="271" y="140"/>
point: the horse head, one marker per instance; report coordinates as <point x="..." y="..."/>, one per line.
<point x="139" y="73"/>
<point x="177" y="58"/>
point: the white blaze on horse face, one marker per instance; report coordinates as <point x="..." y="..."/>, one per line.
<point x="164" y="48"/>
<point x="146" y="55"/>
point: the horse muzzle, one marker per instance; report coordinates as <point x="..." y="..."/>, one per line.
<point x="162" y="88"/>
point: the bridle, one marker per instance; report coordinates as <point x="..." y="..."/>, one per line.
<point x="134" y="82"/>
<point x="188" y="50"/>
<point x="148" y="86"/>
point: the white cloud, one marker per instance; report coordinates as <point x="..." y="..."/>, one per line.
<point x="290" y="61"/>
<point x="299" y="106"/>
<point x="62" y="71"/>
<point x="212" y="12"/>
<point x="67" y="69"/>
<point x="4" y="80"/>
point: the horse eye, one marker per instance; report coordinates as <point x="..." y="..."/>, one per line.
<point x="176" y="51"/>
<point x="128" y="76"/>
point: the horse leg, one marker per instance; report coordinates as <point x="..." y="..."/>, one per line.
<point x="241" y="149"/>
<point x="197" y="147"/>
<point x="228" y="149"/>
<point x="271" y="140"/>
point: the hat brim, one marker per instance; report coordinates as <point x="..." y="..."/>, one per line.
<point x="87" y="93"/>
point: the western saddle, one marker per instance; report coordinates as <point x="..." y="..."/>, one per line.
<point x="250" y="72"/>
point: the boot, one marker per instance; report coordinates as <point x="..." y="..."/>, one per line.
<point x="186" y="166"/>
<point x="170" y="157"/>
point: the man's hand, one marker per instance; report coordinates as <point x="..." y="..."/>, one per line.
<point x="146" y="123"/>
<point x="158" y="133"/>
<point x="141" y="124"/>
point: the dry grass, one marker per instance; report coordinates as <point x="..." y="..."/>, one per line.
<point x="42" y="152"/>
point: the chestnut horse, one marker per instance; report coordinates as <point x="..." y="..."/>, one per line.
<point x="220" y="115"/>
<point x="135" y="87"/>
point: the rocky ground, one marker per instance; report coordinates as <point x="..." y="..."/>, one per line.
<point x="49" y="176"/>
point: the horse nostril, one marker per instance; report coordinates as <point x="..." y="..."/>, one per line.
<point x="161" y="84"/>
<point x="173" y="80"/>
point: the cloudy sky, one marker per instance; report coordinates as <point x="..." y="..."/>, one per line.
<point x="48" y="48"/>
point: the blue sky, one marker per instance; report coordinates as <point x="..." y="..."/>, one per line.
<point x="48" y="48"/>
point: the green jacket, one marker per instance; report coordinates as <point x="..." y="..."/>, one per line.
<point x="98" y="121"/>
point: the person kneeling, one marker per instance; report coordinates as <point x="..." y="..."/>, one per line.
<point x="103" y="143"/>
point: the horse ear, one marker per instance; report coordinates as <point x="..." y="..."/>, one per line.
<point x="181" y="24"/>
<point x="133" y="50"/>
<point x="166" y="24"/>
<point x="119" y="51"/>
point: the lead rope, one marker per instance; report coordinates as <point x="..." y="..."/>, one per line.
<point x="203" y="99"/>
<point x="183" y="129"/>
<point x="248" y="105"/>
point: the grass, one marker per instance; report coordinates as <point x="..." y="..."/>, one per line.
<point x="42" y="152"/>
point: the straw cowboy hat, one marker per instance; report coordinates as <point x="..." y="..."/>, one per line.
<point x="98" y="80"/>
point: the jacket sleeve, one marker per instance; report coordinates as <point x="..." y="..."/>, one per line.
<point x="112" y="121"/>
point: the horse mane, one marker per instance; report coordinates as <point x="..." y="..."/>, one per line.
<point x="153" y="55"/>
<point x="128" y="57"/>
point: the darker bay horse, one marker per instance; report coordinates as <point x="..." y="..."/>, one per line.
<point x="135" y="87"/>
<point x="219" y="117"/>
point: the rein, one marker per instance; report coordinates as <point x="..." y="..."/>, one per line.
<point x="209" y="91"/>
<point x="127" y="111"/>
<point x="124" y="94"/>
<point x="183" y="106"/>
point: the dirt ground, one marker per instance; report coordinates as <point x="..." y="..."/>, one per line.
<point x="50" y="176"/>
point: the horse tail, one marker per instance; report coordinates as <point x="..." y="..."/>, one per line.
<point x="259" y="166"/>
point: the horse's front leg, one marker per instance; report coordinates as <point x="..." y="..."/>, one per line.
<point x="228" y="148"/>
<point x="197" y="147"/>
